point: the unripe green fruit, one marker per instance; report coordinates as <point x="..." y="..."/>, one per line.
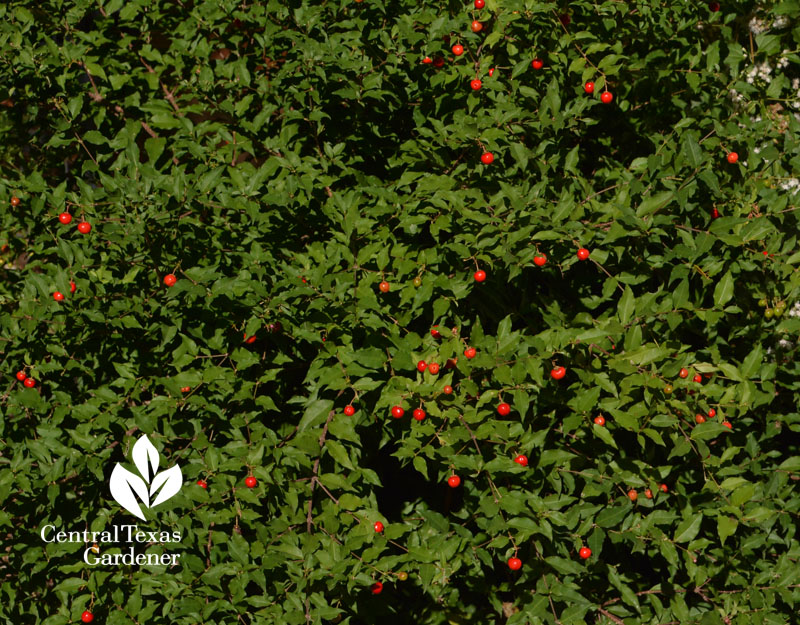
<point x="668" y="389"/>
<point x="402" y="576"/>
<point x="417" y="281"/>
<point x="779" y="311"/>
<point x="762" y="302"/>
<point x="768" y="313"/>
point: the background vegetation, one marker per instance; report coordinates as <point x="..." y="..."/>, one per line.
<point x="281" y="159"/>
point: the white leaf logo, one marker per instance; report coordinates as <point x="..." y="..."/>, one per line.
<point x="124" y="484"/>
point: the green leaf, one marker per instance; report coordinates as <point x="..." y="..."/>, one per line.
<point x="723" y="292"/>
<point x="688" y="529"/>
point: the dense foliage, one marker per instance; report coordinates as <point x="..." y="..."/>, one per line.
<point x="282" y="160"/>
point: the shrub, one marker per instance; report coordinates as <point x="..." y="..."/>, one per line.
<point x="283" y="160"/>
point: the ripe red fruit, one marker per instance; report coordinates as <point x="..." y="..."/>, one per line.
<point x="65" y="218"/>
<point x="600" y="420"/>
<point x="170" y="279"/>
<point x="713" y="6"/>
<point x="185" y="389"/>
<point x="503" y="409"/>
<point x="712" y="413"/>
<point x="384" y="287"/>
<point x="376" y="588"/>
<point x="250" y="482"/>
<point x="633" y="495"/>
<point x="558" y="372"/>
<point x="714" y="213"/>
<point x="698" y="418"/>
<point x="72" y="287"/>
<point x="521" y="460"/>
<point x="378" y="526"/>
<point x="479" y="4"/>
<point x="349" y="410"/>
<point x="419" y="414"/>
<point x="438" y="62"/>
<point x="663" y="488"/>
<point x="249" y="339"/>
<point x="539" y="260"/>
<point x="683" y="373"/>
<point x="433" y="368"/>
<point x="476" y="26"/>
<point x="585" y="553"/>
<point x="458" y="49"/>
<point x="537" y="64"/>
<point x="450" y="364"/>
<point x="427" y="60"/>
<point x="697" y="378"/>
<point x="589" y="87"/>
<point x="58" y="296"/>
<point x="447" y="389"/>
<point x="15" y="201"/>
<point x="202" y="484"/>
<point x="21" y="376"/>
<point x="87" y="617"/>
<point x="453" y="481"/>
<point x="732" y="157"/>
<point x="475" y="84"/>
<point x="397" y="412"/>
<point x="84" y="227"/>
<point x="435" y="333"/>
<point x="421" y="366"/>
<point x="648" y="493"/>
<point x="514" y="564"/>
<point x="480" y="275"/>
<point x="583" y="253"/>
<point x="491" y="72"/>
<point x="727" y="424"/>
<point x="606" y="97"/>
<point x="487" y="158"/>
<point x="470" y="352"/>
<point x="29" y="382"/>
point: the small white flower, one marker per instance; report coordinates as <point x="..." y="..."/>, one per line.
<point x="780" y="22"/>
<point x="757" y="26"/>
<point x="784" y="344"/>
<point x="795" y="310"/>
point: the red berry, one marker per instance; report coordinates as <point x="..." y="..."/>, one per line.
<point x="421" y="366"/>
<point x="349" y="410"/>
<point x="585" y="553"/>
<point x="558" y="372"/>
<point x="600" y="420"/>
<point x="698" y="418"/>
<point x="727" y="424"/>
<point x="565" y="19"/>
<point x="713" y="6"/>
<point x="503" y="409"/>
<point x="633" y="495"/>
<point x="491" y="72"/>
<point x="521" y="460"/>
<point x="433" y="368"/>
<point x="397" y="412"/>
<point x="487" y="158"/>
<point x="606" y="97"/>
<point x="480" y="275"/>
<point x="21" y="376"/>
<point x="697" y="378"/>
<point x="583" y="253"/>
<point x="65" y="218"/>
<point x="537" y="64"/>
<point x="453" y="481"/>
<point x="589" y="87"/>
<point x="427" y="60"/>
<point x="458" y="49"/>
<point x="84" y="227"/>
<point x="58" y="296"/>
<point x="419" y="414"/>
<point x="15" y="201"/>
<point x="539" y="260"/>
<point x="479" y="4"/>
<point x="475" y="84"/>
<point x="648" y="493"/>
<point x="476" y="26"/>
<point x="732" y="157"/>
<point x="249" y="339"/>
<point x="29" y="382"/>
<point x="384" y="287"/>
<point x="186" y="389"/>
<point x="435" y="333"/>
<point x="438" y="61"/>
<point x="87" y="617"/>
<point x="450" y="364"/>
<point x="170" y="279"/>
<point x="378" y="527"/>
<point x="447" y="389"/>
<point x="714" y="213"/>
<point x="376" y="588"/>
<point x="514" y="564"/>
<point x="250" y="482"/>
<point x="683" y="373"/>
<point x="663" y="488"/>
<point x="470" y="352"/>
<point x="712" y="413"/>
<point x="202" y="484"/>
<point x="72" y="287"/>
